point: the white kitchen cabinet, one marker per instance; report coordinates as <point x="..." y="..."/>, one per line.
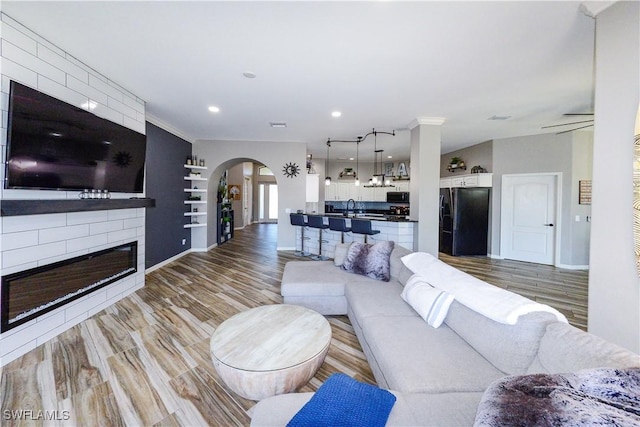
<point x="472" y="180"/>
<point x="331" y="192"/>
<point x="344" y="191"/>
<point x="445" y="182"/>
<point x="355" y="192"/>
<point x="380" y="194"/>
<point x="366" y="194"/>
<point x="400" y="186"/>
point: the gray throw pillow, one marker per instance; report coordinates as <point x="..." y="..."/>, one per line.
<point x="369" y="260"/>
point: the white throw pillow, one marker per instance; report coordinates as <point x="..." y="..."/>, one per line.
<point x="432" y="304"/>
<point x="341" y="253"/>
<point x="419" y="262"/>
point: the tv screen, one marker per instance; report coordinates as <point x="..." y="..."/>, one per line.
<point x="54" y="145"/>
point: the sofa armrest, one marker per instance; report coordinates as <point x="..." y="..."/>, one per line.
<point x="565" y="348"/>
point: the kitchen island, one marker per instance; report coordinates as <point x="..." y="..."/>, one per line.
<point x="398" y="229"/>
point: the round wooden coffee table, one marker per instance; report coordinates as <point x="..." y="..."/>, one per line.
<point x="269" y="350"/>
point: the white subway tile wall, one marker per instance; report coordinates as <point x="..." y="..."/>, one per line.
<point x="30" y="241"/>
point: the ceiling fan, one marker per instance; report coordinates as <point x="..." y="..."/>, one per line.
<point x="583" y="123"/>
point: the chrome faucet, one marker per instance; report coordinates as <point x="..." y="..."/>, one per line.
<point x="353" y="209"/>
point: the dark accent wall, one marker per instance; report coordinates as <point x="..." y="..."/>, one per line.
<point x="166" y="155"/>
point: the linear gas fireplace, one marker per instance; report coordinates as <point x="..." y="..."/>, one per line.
<point x="32" y="293"/>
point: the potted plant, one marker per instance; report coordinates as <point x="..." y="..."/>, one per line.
<point x="455" y="162"/>
<point x="222" y="193"/>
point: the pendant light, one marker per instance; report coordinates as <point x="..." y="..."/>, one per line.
<point x="357" y="183"/>
<point x="327" y="179"/>
<point x="378" y="178"/>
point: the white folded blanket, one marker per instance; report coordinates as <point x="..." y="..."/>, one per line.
<point x="491" y="301"/>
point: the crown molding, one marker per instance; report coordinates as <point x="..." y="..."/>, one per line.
<point x="437" y="121"/>
<point x="593" y="8"/>
<point x="165" y="126"/>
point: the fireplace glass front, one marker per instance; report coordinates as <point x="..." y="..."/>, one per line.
<point x="31" y="293"/>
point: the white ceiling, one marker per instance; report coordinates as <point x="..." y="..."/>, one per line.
<point x="382" y="64"/>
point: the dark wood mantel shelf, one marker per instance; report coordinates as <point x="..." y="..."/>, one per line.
<point x="15" y="207"/>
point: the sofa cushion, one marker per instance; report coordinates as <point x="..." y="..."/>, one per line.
<point x="430" y="303"/>
<point x="396" y="266"/>
<point x="278" y="410"/>
<point x="317" y="278"/>
<point x="417" y="358"/>
<point x="332" y="305"/>
<point x="510" y="348"/>
<point x="565" y="348"/>
<point x="410" y="409"/>
<point x="443" y="409"/>
<point x="369" y="260"/>
<point x="376" y="299"/>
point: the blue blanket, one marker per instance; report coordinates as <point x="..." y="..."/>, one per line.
<point x="344" y="402"/>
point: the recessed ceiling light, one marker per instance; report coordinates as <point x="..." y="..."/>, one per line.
<point x="214" y="109"/>
<point x="336" y="114"/>
<point x="389" y="157"/>
<point x="249" y="74"/>
<point x="351" y="158"/>
<point x="495" y="117"/>
<point x="278" y="124"/>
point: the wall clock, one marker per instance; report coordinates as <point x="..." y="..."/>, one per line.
<point x="291" y="170"/>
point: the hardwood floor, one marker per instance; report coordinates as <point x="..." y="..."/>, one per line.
<point x="145" y="360"/>
<point x="564" y="290"/>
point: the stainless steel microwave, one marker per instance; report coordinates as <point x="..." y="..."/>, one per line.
<point x="398" y="197"/>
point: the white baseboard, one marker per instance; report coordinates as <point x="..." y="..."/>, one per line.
<point x="564" y="266"/>
<point x="175" y="257"/>
<point x="286" y="248"/>
<point x="166" y="261"/>
<point x="573" y="267"/>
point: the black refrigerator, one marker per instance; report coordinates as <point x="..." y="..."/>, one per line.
<point x="464" y="220"/>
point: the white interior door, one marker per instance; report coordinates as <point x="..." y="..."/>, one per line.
<point x="267" y="202"/>
<point x="528" y="218"/>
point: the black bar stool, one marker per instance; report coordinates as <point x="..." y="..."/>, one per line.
<point x="363" y="226"/>
<point x="298" y="221"/>
<point x="339" y="224"/>
<point x="315" y="221"/>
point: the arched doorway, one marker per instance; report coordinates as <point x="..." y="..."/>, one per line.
<point x="222" y="155"/>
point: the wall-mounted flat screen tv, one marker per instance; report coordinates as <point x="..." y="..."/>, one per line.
<point x="54" y="145"/>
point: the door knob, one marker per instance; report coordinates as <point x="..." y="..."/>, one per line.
<point x="548" y="225"/>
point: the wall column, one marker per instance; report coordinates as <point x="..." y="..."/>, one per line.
<point x="425" y="182"/>
<point x="614" y="288"/>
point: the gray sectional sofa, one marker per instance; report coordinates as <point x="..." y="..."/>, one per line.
<point x="438" y="375"/>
